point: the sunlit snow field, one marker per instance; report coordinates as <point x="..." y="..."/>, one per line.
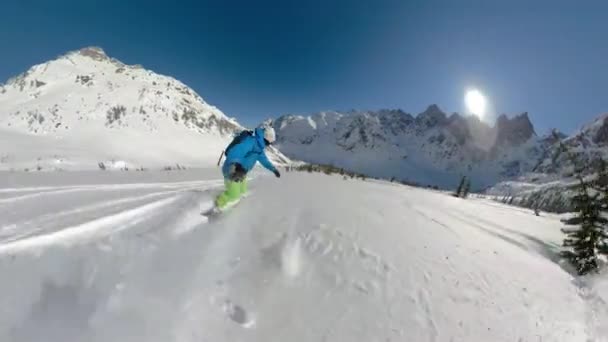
<point x="126" y="256"/>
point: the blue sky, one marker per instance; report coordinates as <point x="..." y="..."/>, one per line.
<point x="260" y="59"/>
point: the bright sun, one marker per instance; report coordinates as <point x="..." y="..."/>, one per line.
<point x="476" y="102"/>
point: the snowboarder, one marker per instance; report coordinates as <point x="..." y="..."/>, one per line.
<point x="241" y="156"/>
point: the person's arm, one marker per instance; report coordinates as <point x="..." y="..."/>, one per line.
<point x="267" y="164"/>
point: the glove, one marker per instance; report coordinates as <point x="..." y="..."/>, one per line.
<point x="236" y="172"/>
<point x="277" y="173"/>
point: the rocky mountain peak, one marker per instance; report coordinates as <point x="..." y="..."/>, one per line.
<point x="93" y="52"/>
<point x="392" y="112"/>
<point x="432" y="116"/>
<point x="432" y="110"/>
<point x="601" y="135"/>
<point x="515" y="131"/>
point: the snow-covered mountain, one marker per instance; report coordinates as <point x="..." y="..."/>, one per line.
<point x="549" y="184"/>
<point x="586" y="146"/>
<point x="85" y="108"/>
<point x="430" y="148"/>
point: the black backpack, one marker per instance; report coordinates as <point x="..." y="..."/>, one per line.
<point x="237" y="140"/>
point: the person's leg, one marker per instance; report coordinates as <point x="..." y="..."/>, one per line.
<point x="240" y="176"/>
<point x="243" y="186"/>
<point x="230" y="194"/>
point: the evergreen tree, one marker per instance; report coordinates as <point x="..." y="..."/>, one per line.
<point x="588" y="240"/>
<point x="523" y="201"/>
<point x="458" y="192"/>
<point x="601" y="186"/>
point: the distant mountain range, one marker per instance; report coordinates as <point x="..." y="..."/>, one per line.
<point x="434" y="148"/>
<point x="429" y="148"/>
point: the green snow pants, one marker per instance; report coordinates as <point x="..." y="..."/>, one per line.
<point x="232" y="193"/>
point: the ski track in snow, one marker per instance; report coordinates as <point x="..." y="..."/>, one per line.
<point x="140" y="260"/>
<point x="101" y="218"/>
<point x="120" y="221"/>
<point x="47" y="221"/>
<point x="53" y="191"/>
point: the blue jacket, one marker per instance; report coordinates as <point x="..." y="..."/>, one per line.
<point x="249" y="151"/>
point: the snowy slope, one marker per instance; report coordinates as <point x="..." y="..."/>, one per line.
<point x="127" y="257"/>
<point x="430" y="148"/>
<point x="85" y="107"/>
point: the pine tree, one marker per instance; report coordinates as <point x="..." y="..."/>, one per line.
<point x="458" y="192"/>
<point x="588" y="239"/>
<point x="601" y="186"/>
<point x="522" y="201"/>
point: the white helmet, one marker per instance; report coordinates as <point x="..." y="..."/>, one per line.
<point x="269" y="134"/>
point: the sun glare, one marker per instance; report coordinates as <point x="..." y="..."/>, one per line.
<point x="475" y="102"/>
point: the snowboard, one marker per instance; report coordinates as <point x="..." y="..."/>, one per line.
<point x="215" y="212"/>
<point x="212" y="213"/>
